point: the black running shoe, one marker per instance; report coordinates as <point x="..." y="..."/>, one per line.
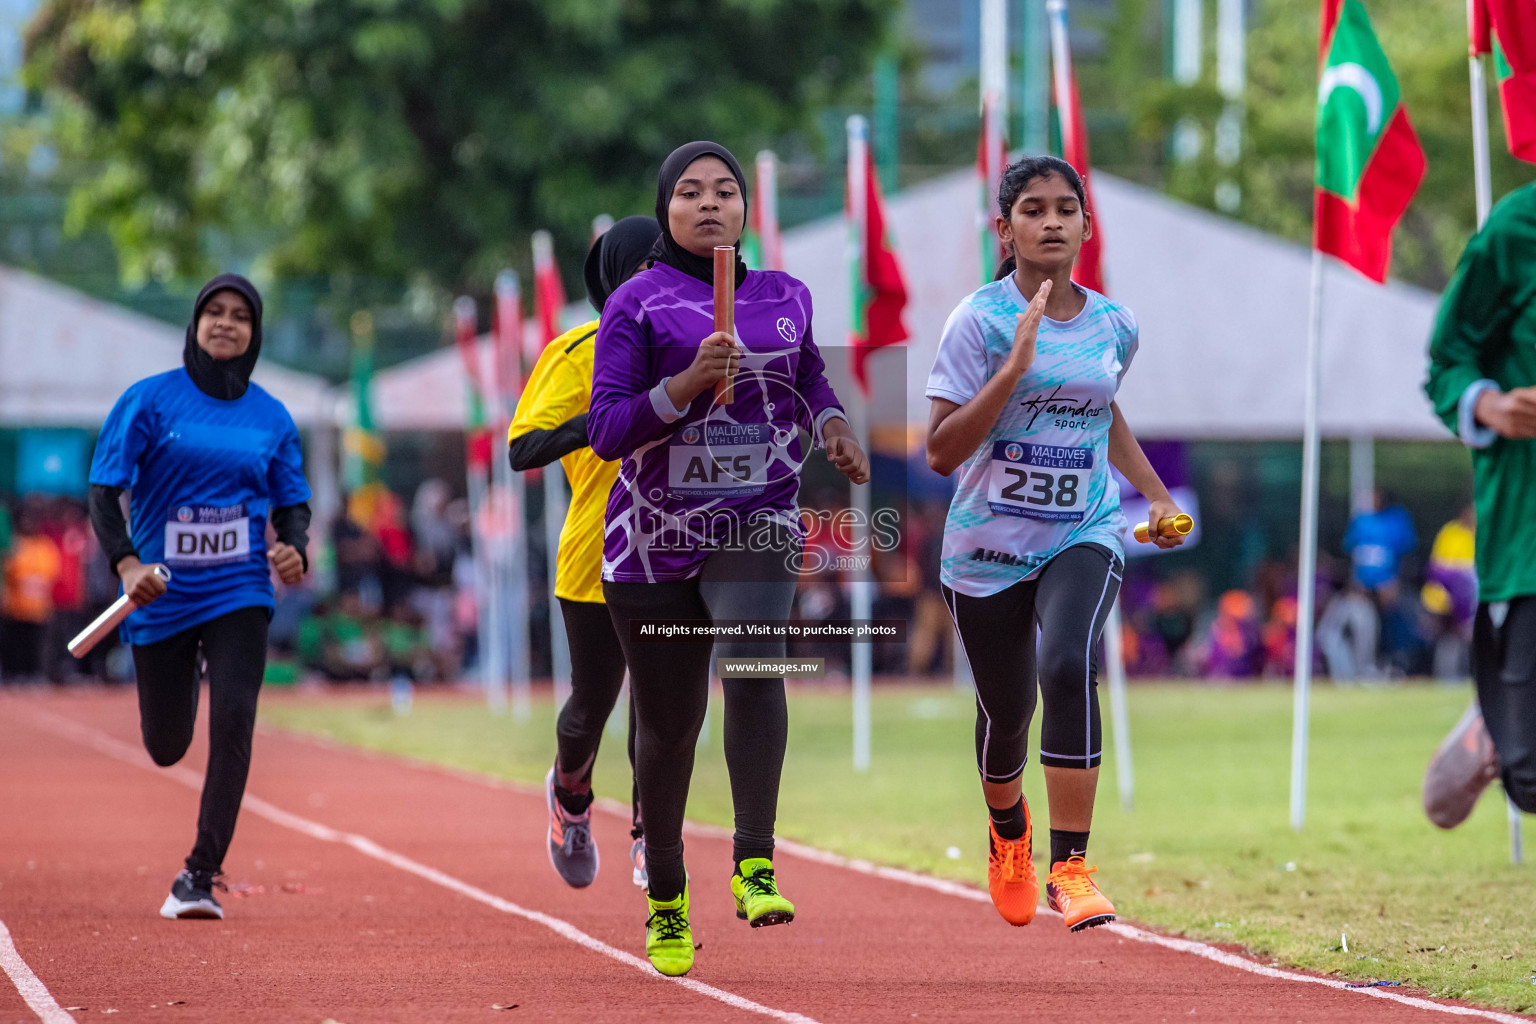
<point x="192" y="896"/>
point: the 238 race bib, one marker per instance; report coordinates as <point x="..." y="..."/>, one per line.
<point x="199" y="535"/>
<point x="719" y="459"/>
<point x="1039" y="481"/>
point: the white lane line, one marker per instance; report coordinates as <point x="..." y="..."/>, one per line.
<point x="938" y="885"/>
<point x="112" y="747"/>
<point x="28" y="984"/>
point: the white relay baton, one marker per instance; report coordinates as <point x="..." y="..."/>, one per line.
<point x="110" y="619"/>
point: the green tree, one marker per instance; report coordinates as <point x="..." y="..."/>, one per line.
<point x="413" y="139"/>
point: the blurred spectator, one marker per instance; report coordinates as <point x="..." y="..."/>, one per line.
<point x="32" y="568"/>
<point x="1377" y="542"/>
<point x="406" y="647"/>
<point x="1232" y="649"/>
<point x="1347" y="634"/>
<point x="1450" y="595"/>
<point x="1280" y="638"/>
<point x="71" y="532"/>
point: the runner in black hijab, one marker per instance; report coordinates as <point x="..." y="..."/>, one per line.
<point x="616" y="256"/>
<point x="667" y="250"/>
<point x="223" y="378"/>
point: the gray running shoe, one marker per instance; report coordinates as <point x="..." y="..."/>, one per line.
<point x="192" y="896"/>
<point x="571" y="849"/>
<point x="637" y="857"/>
<point x="1460" y="770"/>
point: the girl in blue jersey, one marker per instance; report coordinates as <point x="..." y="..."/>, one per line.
<point x="1022" y="393"/>
<point x="208" y="460"/>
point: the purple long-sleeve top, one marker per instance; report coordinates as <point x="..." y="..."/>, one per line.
<point x="689" y="476"/>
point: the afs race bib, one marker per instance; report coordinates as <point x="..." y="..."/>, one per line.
<point x="198" y="535"/>
<point x="1039" y="481"/>
<point x="719" y="460"/>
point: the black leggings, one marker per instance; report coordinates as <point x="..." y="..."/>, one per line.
<point x="597" y="676"/>
<point x="1504" y="669"/>
<point x="1069" y="599"/>
<point x="235" y="648"/>
<point x="670" y="684"/>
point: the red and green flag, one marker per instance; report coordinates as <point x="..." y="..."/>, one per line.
<point x="1507" y="29"/>
<point x="879" y="287"/>
<point x="1369" y="162"/>
<point x="1089" y="269"/>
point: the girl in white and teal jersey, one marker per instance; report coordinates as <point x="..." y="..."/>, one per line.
<point x="1023" y="405"/>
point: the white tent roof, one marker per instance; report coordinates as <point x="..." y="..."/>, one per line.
<point x="67" y="357"/>
<point x="1223" y="312"/>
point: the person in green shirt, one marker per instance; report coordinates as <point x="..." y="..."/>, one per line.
<point x="1482" y="382"/>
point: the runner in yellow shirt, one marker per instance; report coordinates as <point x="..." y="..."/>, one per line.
<point x="551" y="423"/>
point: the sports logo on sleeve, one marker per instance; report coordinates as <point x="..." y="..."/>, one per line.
<point x="203" y="536"/>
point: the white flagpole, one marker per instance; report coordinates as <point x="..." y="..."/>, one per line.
<point x="1482" y="175"/>
<point x="1305" y="584"/>
<point x="768" y="210"/>
<point x="554" y="518"/>
<point x="862" y="653"/>
<point x="1119" y="709"/>
<point x="994" y="114"/>
<point x="482" y="503"/>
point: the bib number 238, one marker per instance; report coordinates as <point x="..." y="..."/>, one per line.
<point x="1034" y="481"/>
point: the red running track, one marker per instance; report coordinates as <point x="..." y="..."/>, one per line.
<point x="379" y="890"/>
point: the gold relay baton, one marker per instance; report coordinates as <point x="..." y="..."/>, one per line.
<point x="1167" y="526"/>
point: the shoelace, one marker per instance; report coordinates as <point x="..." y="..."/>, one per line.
<point x="669" y="924"/>
<point x="209" y="880"/>
<point x="761" y="882"/>
<point x="577" y="837"/>
<point x="1071" y="879"/>
<point x="1013" y="860"/>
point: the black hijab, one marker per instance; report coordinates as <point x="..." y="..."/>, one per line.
<point x="667" y="250"/>
<point x="616" y="255"/>
<point x="223" y="378"/>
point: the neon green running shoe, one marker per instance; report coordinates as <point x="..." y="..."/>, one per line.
<point x="757" y="894"/>
<point x="668" y="939"/>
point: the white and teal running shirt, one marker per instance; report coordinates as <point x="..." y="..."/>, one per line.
<point x="1040" y="482"/>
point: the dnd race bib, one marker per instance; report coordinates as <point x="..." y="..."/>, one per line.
<point x="1039" y="481"/>
<point x="199" y="535"/>
<point x="719" y="460"/>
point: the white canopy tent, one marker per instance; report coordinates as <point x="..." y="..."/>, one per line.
<point x="67" y="358"/>
<point x="1222" y="309"/>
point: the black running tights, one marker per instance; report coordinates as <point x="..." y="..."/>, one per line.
<point x="235" y="648"/>
<point x="1504" y="669"/>
<point x="597" y="676"/>
<point x="1069" y="600"/>
<point x="670" y="683"/>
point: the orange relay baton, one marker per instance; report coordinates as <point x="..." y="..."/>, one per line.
<point x="725" y="310"/>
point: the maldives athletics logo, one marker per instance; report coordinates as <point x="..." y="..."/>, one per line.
<point x="691" y="435"/>
<point x="1369" y="162"/>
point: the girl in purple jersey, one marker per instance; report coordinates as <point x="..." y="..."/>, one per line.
<point x="702" y="523"/>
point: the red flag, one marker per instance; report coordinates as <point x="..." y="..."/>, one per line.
<point x="1369" y="162"/>
<point x="477" y="444"/>
<point x="1507" y="29"/>
<point x="507" y="329"/>
<point x="548" y="292"/>
<point x="1089" y="270"/>
<point x="880" y="289"/>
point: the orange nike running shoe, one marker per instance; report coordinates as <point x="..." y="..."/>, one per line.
<point x="1072" y="894"/>
<point x="1011" y="875"/>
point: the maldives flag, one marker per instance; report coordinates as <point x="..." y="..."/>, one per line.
<point x="1089" y="269"/>
<point x="548" y="291"/>
<point x="1507" y="29"/>
<point x="507" y="332"/>
<point x="1369" y="162"/>
<point x="880" y="290"/>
